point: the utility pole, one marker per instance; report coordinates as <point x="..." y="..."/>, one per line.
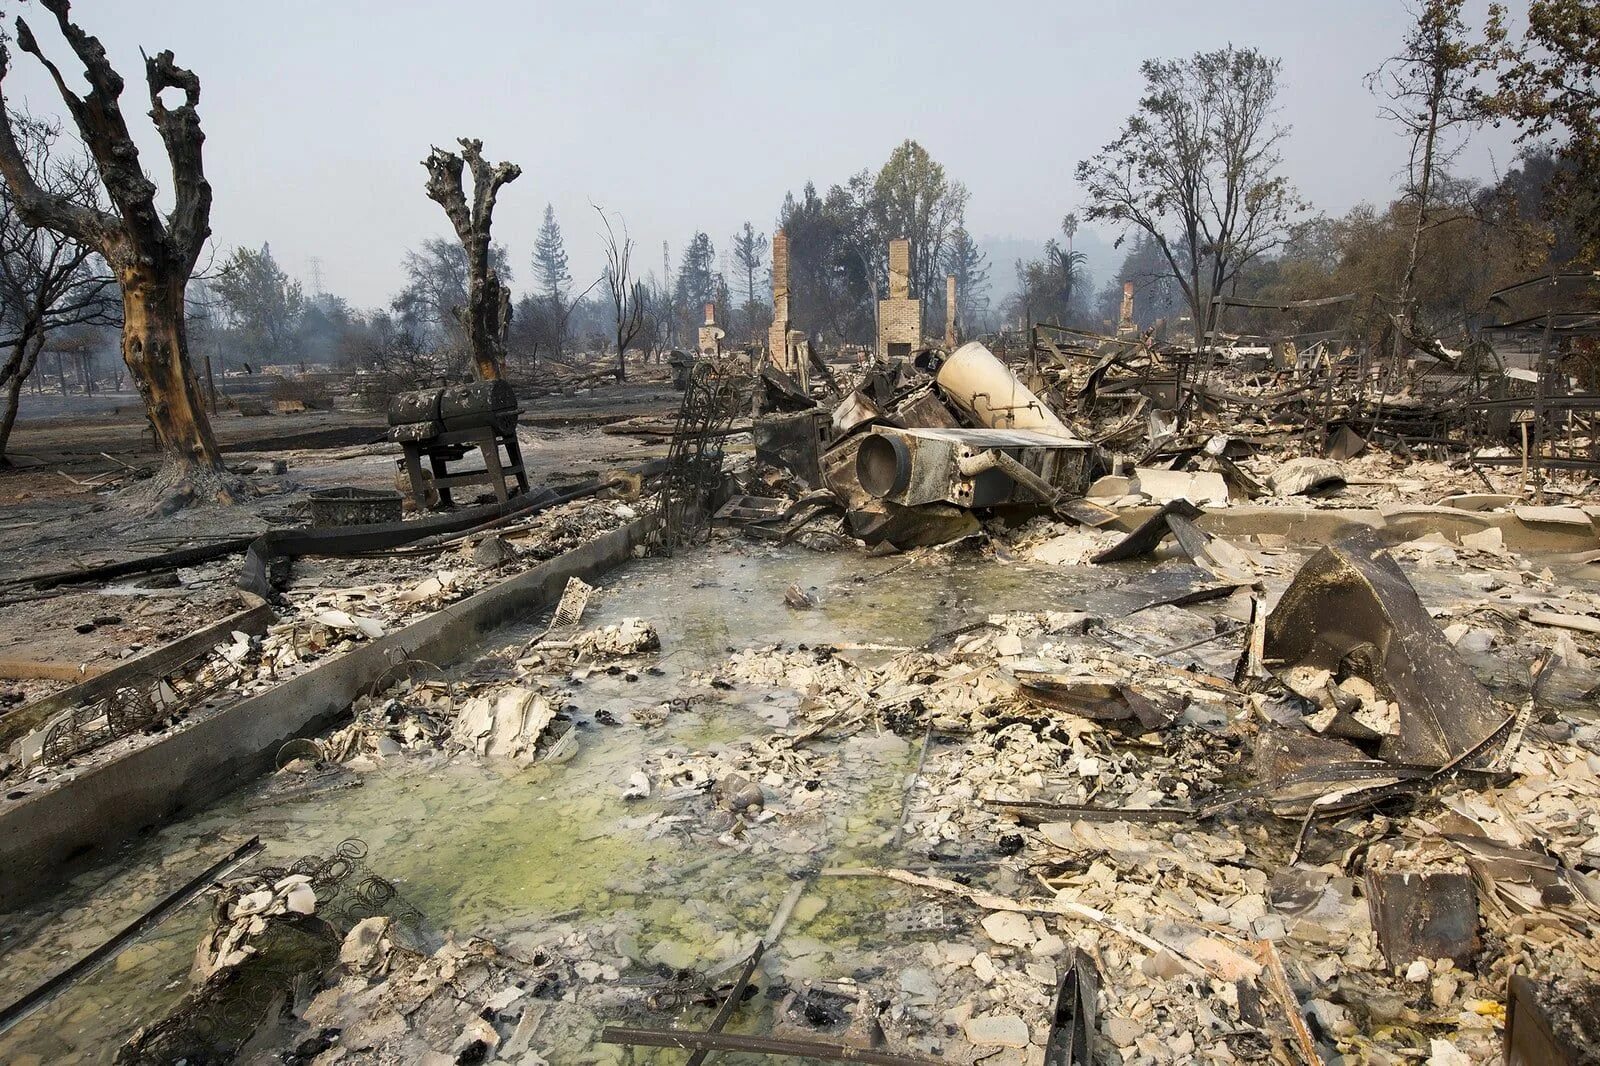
<point x="667" y="297"/>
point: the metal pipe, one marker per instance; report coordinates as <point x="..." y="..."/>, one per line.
<point x="103" y="954"/>
<point x="731" y="1004"/>
<point x="994" y="459"/>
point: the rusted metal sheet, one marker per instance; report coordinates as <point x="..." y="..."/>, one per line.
<point x="1072" y="1027"/>
<point x="1533" y="1039"/>
<point x="924" y="410"/>
<point x="1086" y="512"/>
<point x="1425" y="914"/>
<point x="1352" y="611"/>
<point x="1174" y="581"/>
<point x="791" y="442"/>
<point x="1175" y="518"/>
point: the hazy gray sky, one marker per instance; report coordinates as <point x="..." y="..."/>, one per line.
<point x="695" y="115"/>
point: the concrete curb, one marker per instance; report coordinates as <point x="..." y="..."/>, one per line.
<point x="59" y="831"/>
<point x="1310" y="525"/>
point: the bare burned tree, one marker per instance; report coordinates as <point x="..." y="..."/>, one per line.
<point x="487" y="316"/>
<point x="1430" y="87"/>
<point x="151" y="255"/>
<point x="1196" y="169"/>
<point x="48" y="281"/>
<point x="628" y="295"/>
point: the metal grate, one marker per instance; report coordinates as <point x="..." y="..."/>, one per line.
<point x="717" y="390"/>
<point x="568" y="613"/>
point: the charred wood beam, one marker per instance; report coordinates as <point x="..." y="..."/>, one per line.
<point x="359" y="540"/>
<point x="790" y="1047"/>
<point x="143" y="565"/>
<point x="1555" y="463"/>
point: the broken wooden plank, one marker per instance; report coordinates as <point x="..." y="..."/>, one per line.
<point x="140" y="668"/>
<point x="21" y="668"/>
<point x="1582" y="623"/>
<point x="1278" y="985"/>
<point x="792" y="1047"/>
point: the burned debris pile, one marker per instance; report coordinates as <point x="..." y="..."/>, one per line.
<point x="1284" y="765"/>
<point x="326" y="607"/>
<point x="907" y="464"/>
<point x="1191" y="818"/>
<point x="1263" y="738"/>
<point x="922" y="451"/>
<point x="624" y="666"/>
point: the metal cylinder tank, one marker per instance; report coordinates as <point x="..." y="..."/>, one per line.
<point x="987" y="391"/>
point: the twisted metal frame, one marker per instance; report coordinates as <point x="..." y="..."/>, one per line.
<point x="136" y="707"/>
<point x="717" y="390"/>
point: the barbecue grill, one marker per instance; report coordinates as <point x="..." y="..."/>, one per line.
<point x="444" y="425"/>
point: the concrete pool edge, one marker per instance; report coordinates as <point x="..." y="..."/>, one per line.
<point x="62" y="830"/>
<point x="1314" y="525"/>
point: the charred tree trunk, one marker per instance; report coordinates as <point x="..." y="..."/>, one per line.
<point x="24" y="357"/>
<point x="486" y="318"/>
<point x="151" y="254"/>
<point x="155" y="348"/>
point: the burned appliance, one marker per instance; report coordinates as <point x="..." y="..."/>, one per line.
<point x="971" y="467"/>
<point x="444" y="425"/>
